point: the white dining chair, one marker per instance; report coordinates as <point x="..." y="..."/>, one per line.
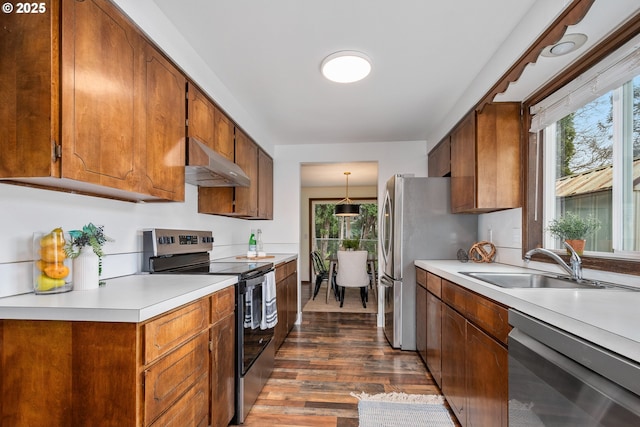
<point x="352" y="273"/>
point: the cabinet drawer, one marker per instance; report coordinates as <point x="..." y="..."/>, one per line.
<point x="281" y="272"/>
<point x="291" y="268"/>
<point x="488" y="316"/>
<point x="223" y="304"/>
<point x="434" y="285"/>
<point x="173" y="375"/>
<point x="191" y="410"/>
<point x="167" y="332"/>
<point x="421" y="277"/>
<point x="454" y="295"/>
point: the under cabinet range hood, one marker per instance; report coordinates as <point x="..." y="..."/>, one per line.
<point x="206" y="168"/>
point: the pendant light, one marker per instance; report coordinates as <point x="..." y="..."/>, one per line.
<point x="344" y="206"/>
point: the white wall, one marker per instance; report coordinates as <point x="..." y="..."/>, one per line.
<point x="27" y="210"/>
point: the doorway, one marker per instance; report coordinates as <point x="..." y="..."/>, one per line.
<point x="325" y="183"/>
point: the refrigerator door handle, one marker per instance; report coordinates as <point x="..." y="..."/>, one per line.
<point x="386" y="282"/>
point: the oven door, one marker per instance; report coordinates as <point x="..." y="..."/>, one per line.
<point x="548" y="387"/>
<point x="253" y="339"/>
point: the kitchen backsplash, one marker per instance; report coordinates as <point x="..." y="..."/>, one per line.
<point x="27" y="210"/>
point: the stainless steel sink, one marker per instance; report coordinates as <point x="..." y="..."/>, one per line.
<point x="538" y="281"/>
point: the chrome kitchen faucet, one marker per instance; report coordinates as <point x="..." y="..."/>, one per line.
<point x="576" y="263"/>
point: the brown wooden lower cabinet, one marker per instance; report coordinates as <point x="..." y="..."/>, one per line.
<point x="434" y="337"/>
<point x="223" y="333"/>
<point x="156" y="373"/>
<point x="454" y="336"/>
<point x="466" y="351"/>
<point x="421" y="321"/>
<point x="487" y="380"/>
<point x="286" y="300"/>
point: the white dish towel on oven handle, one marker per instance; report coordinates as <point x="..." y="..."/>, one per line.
<point x="269" y="305"/>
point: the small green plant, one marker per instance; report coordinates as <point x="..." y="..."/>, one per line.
<point x="90" y="235"/>
<point x="351" y="243"/>
<point x="571" y="226"/>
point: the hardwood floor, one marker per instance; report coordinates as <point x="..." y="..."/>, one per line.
<point x="326" y="358"/>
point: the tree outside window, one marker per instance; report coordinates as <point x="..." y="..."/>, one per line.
<point x="330" y="230"/>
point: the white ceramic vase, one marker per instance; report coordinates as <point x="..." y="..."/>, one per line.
<point x="85" y="270"/>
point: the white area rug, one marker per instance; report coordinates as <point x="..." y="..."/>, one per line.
<point x="402" y="410"/>
<point x="352" y="302"/>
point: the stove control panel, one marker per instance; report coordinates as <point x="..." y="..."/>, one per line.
<point x="163" y="241"/>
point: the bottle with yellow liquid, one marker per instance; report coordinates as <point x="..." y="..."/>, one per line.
<point x="52" y="267"/>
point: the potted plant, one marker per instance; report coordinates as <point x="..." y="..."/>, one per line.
<point x="573" y="229"/>
<point x="87" y="264"/>
<point x="351" y="244"/>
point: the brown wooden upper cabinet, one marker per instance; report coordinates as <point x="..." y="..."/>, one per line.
<point x="485" y="160"/>
<point x="97" y="110"/>
<point x="208" y="124"/>
<point x="253" y="202"/>
<point x="440" y="158"/>
<point x="265" y="185"/>
<point x="246" y="199"/>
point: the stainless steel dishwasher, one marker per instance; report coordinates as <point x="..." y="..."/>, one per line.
<point x="559" y="379"/>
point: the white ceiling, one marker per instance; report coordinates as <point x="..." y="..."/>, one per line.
<point x="268" y="54"/>
<point x="425" y="54"/>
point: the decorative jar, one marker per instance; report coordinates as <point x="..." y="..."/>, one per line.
<point x="52" y="269"/>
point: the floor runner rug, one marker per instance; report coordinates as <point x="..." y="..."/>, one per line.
<point x="352" y="302"/>
<point x="402" y="410"/>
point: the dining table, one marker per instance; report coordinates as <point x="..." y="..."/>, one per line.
<point x="372" y="260"/>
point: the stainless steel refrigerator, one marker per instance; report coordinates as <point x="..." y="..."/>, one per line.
<point x="416" y="223"/>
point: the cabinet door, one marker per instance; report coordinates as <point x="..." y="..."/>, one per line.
<point x="265" y="185"/>
<point x="223" y="371"/>
<point x="487" y="380"/>
<point x="453" y="362"/>
<point x="224" y="138"/>
<point x="246" y="199"/>
<point x="421" y="321"/>
<point x="463" y="165"/>
<point x="202" y="116"/>
<point x="29" y="98"/>
<point x="163" y="135"/>
<point x="434" y="337"/>
<point x="440" y="158"/>
<point x="191" y="410"/>
<point x="100" y="95"/>
<point x="281" y="330"/>
<point x="292" y="301"/>
<point x="174" y="374"/>
<point x="498" y="152"/>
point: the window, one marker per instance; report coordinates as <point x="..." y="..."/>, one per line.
<point x="590" y="133"/>
<point x="328" y="230"/>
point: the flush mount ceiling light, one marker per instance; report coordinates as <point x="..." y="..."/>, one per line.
<point x="344" y="206"/>
<point x="346" y="66"/>
<point x="567" y="44"/>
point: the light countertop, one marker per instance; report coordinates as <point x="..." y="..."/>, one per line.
<point x="134" y="298"/>
<point x="277" y="258"/>
<point x="607" y="317"/>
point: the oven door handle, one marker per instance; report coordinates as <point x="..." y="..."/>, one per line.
<point x="257" y="279"/>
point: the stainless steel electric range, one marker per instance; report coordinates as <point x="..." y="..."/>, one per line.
<point x="187" y="252"/>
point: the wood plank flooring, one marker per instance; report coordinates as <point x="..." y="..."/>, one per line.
<point x="326" y="358"/>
